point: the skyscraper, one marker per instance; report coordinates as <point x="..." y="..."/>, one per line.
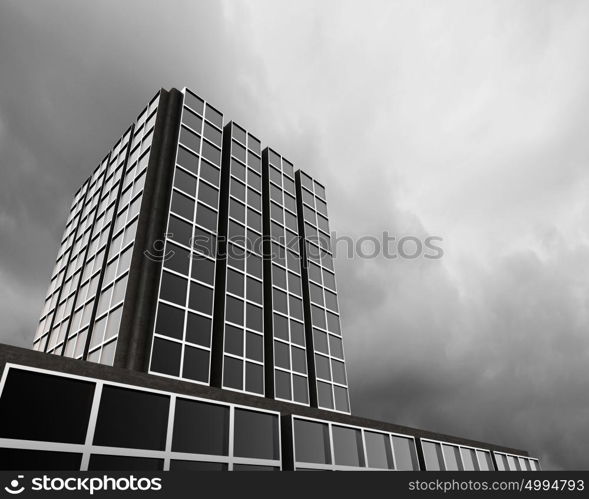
<point x="195" y="282"/>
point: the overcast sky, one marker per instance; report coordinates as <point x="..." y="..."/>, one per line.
<point x="466" y="120"/>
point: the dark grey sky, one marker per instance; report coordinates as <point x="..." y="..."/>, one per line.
<point x="460" y="119"/>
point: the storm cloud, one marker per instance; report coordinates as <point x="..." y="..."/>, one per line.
<point x="462" y="120"/>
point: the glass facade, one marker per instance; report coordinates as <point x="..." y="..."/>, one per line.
<point x="97" y="426"/>
<point x="323" y="445"/>
<point x="181" y="346"/>
<point x="511" y="462"/>
<point x="286" y="326"/>
<point x="83" y="307"/>
<point x="243" y="323"/>
<point x="322" y="309"/>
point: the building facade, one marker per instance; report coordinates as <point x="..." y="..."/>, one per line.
<point x="195" y="283"/>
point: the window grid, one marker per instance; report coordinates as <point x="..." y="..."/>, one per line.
<point x="363" y="455"/>
<point x="89" y="449"/>
<point x="455" y="457"/>
<point x="331" y="382"/>
<point x="183" y="351"/>
<point x="512" y="462"/>
<point x="286" y="282"/>
<point x="244" y="335"/>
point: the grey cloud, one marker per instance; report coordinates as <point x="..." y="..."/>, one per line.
<point x="443" y="119"/>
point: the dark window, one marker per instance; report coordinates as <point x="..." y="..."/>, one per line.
<point x="99" y="462"/>
<point x="311" y="442"/>
<point x="201" y="428"/>
<point x="280" y="327"/>
<point x="187" y="160"/>
<point x="238" y="133"/>
<point x="335" y="347"/>
<point x="318" y="316"/>
<point x="278" y="276"/>
<point x="333" y="323"/>
<point x="347" y="446"/>
<point x="208" y="194"/>
<point x="180" y="231"/>
<point x="233" y="373"/>
<point x="294" y="283"/>
<point x="254" y="377"/>
<point x="24" y="460"/>
<point x="238" y="151"/>
<point x="214" y="116"/>
<point x="290" y="202"/>
<point x="234" y="311"/>
<point x="254" y="200"/>
<point x="378" y="450"/>
<point x="131" y="418"/>
<point x="189" y="139"/>
<point x="279" y="298"/>
<point x="341" y="398"/>
<point x="210" y="173"/>
<point x="282" y="380"/>
<point x="237" y="189"/>
<point x="204" y="242"/>
<point x="237" y="169"/>
<point x="432" y="452"/>
<point x="170" y="321"/>
<point x="281" y="355"/>
<point x="182" y="205"/>
<point x="254" y="346"/>
<point x="210" y="152"/>
<point x="203" y="269"/>
<point x="254" y="467"/>
<point x="299" y="360"/>
<point x="254" y="180"/>
<point x="254" y="290"/>
<point x="233" y="340"/>
<point x="254" y="144"/>
<point x="207" y="218"/>
<point x="297" y="333"/>
<point x="193" y="101"/>
<point x="324" y="395"/>
<point x="254" y="318"/>
<point x="185" y="182"/>
<point x="212" y="134"/>
<point x="176" y="465"/>
<point x="338" y="371"/>
<point x="27" y="396"/>
<point x="235" y="282"/>
<point x="254" y="265"/>
<point x="198" y="330"/>
<point x="300" y="389"/>
<point x="253" y="161"/>
<point x="296" y="307"/>
<point x="165" y="357"/>
<point x="192" y="120"/>
<point x="235" y="257"/>
<point x="237" y="210"/>
<point x="201" y="298"/>
<point x="177" y="258"/>
<point x="196" y="364"/>
<point x="254" y="220"/>
<point x="328" y="280"/>
<point x="256" y="435"/>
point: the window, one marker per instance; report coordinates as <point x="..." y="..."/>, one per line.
<point x="311" y="442"/>
<point x="469" y="459"/>
<point x="121" y="408"/>
<point x="201" y="428"/>
<point x="21" y="460"/>
<point x="170" y="321"/>
<point x="64" y="403"/>
<point x="102" y="462"/>
<point x="405" y="454"/>
<point x="378" y="450"/>
<point x="176" y="465"/>
<point x="198" y="330"/>
<point x="256" y="435"/>
<point x="452" y="458"/>
<point x="347" y="446"/>
<point x="196" y="364"/>
<point x="165" y="357"/>
<point x="434" y="460"/>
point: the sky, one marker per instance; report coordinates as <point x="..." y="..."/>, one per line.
<point x="463" y="120"/>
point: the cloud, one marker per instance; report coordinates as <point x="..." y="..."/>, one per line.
<point x="463" y="121"/>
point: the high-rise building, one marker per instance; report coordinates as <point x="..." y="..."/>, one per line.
<point x="193" y="322"/>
